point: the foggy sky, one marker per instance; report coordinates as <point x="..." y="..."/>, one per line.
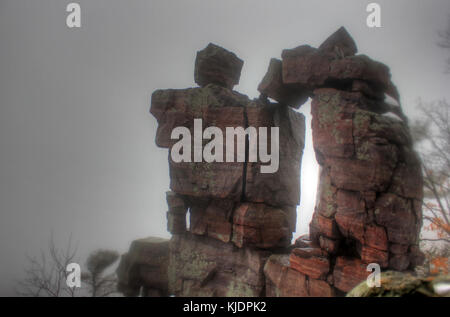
<point x="77" y="151"/>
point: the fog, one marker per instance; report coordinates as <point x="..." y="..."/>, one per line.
<point x="77" y="151"/>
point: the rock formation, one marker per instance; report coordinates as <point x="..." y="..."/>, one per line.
<point x="143" y="270"/>
<point x="368" y="209"/>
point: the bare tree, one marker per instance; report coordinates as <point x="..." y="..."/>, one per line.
<point x="100" y="285"/>
<point x="46" y="275"/>
<point x="432" y="135"/>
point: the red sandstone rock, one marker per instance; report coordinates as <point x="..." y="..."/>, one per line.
<point x="339" y="43"/>
<point x="407" y="180"/>
<point x="260" y="226"/>
<point x="399" y="262"/>
<point x="376" y="237"/>
<point x="370" y="189"/>
<point x="332" y="124"/>
<point x="329" y="245"/>
<point x="349" y="272"/>
<point x="359" y="175"/>
<point x="281" y="280"/>
<point x="398" y="248"/>
<point x="397" y="216"/>
<point x="310" y="261"/>
<point x="201" y="266"/>
<point x="272" y="86"/>
<point x="212" y="218"/>
<point x="216" y="65"/>
<point x="368" y="124"/>
<point x="217" y="107"/>
<point x="347" y="141"/>
<point x="314" y="68"/>
<point x="371" y="255"/>
<point x="303" y="241"/>
<point x="303" y="65"/>
<point x="325" y="226"/>
<point x="360" y="67"/>
<point x="208" y="180"/>
<point x="349" y="202"/>
<point x="352" y="225"/>
<point x="326" y="194"/>
<point x="377" y="151"/>
<point x="367" y="90"/>
<point x="319" y="288"/>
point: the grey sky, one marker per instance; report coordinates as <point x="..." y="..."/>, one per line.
<point x="77" y="152"/>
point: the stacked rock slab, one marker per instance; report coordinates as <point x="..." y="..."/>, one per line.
<point x="237" y="215"/>
<point x="369" y="197"/>
<point x="368" y="207"/>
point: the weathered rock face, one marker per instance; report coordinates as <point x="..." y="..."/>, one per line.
<point x="312" y="262"/>
<point x="212" y="218"/>
<point x="216" y="106"/>
<point x="365" y="203"/>
<point x="339" y="43"/>
<point x="311" y="68"/>
<point x="261" y="226"/>
<point x="349" y="272"/>
<point x="241" y="217"/>
<point x="201" y="266"/>
<point x="235" y="210"/>
<point x="370" y="189"/>
<point x="176" y="216"/>
<point x="144" y="268"/>
<point x="284" y="281"/>
<point x="281" y="188"/>
<point x="272" y="86"/>
<point x="216" y="65"/>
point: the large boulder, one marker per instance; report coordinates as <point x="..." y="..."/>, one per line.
<point x="143" y="270"/>
<point x="340" y="43"/>
<point x="283" y="281"/>
<point x="261" y="226"/>
<point x="272" y="86"/>
<point x="216" y="65"/>
<point x="215" y="106"/>
<point x="212" y="218"/>
<point x="202" y="266"/>
<point x="242" y="209"/>
<point x="311" y="68"/>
